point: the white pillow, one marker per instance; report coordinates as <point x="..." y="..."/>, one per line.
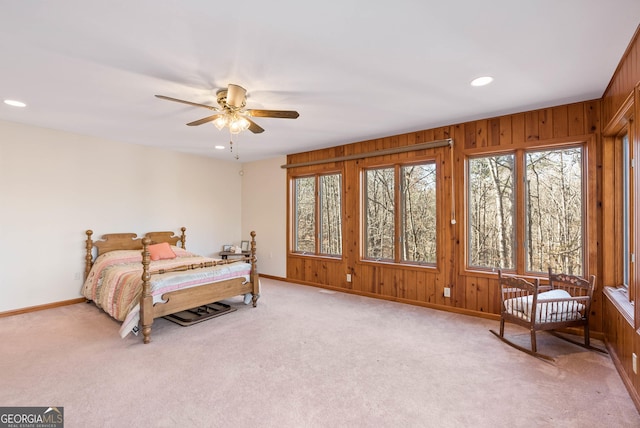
<point x="546" y="311"/>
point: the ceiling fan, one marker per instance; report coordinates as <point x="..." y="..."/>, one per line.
<point x="231" y="111"/>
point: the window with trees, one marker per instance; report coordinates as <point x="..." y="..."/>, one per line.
<point x="317" y="214"/>
<point x="400" y="207"/>
<point x="552" y="206"/>
<point x="555" y="211"/>
<point x="491" y="212"/>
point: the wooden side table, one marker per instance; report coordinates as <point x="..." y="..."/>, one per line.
<point x="226" y="254"/>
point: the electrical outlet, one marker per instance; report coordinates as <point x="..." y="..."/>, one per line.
<point x="447" y="292"/>
<point x="634" y="360"/>
<point x="348" y="277"/>
<point x="77" y="276"/>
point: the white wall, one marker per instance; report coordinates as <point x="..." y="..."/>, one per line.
<point x="55" y="185"/>
<point x="264" y="209"/>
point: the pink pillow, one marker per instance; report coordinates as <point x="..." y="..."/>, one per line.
<point x="161" y="251"/>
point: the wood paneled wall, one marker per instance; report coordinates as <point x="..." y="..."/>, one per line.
<point x="624" y="80"/>
<point x="622" y="340"/>
<point x="621" y="107"/>
<point x="471" y="291"/>
<point x="477" y="292"/>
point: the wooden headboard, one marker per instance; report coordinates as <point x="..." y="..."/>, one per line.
<point x="127" y="241"/>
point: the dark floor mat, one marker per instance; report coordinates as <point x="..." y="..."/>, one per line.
<point x="199" y="314"/>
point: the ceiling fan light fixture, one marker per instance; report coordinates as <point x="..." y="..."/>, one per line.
<point x="237" y="124"/>
<point x="221" y="121"/>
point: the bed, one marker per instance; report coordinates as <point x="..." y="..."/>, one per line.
<point x="564" y="303"/>
<point x="136" y="280"/>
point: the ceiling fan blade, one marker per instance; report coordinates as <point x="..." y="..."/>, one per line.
<point x="280" y="114"/>
<point x="236" y="96"/>
<point x="205" y="120"/>
<point x="254" y="127"/>
<point x="186" y="102"/>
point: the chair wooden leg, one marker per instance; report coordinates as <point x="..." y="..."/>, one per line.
<point x="534" y="346"/>
<point x="586" y="336"/>
<point x="523" y="349"/>
<point x="502" y="328"/>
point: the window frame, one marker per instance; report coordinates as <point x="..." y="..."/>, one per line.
<point x="613" y="275"/>
<point x="589" y="228"/>
<point x="627" y="211"/>
<point x="317" y="215"/>
<point x="467" y="223"/>
<point x="398" y="212"/>
<point x="628" y="217"/>
<point x="583" y="207"/>
<point x="294" y="210"/>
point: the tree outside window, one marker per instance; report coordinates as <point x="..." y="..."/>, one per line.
<point x="330" y="214"/>
<point x="414" y="227"/>
<point x="491" y="212"/>
<point x="305" y="214"/>
<point x="318" y="214"/>
<point x="553" y="209"/>
<point x="418" y="213"/>
<point x="380" y="213"/>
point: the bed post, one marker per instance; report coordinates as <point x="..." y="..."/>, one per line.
<point x="183" y="238"/>
<point x="255" y="293"/>
<point x="88" y="259"/>
<point x="146" y="301"/>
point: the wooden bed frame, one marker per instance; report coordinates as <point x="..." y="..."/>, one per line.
<point x="179" y="300"/>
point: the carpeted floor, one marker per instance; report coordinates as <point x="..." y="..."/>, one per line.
<point x="305" y="357"/>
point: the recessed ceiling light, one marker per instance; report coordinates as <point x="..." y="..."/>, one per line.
<point x="15" y="103"/>
<point x="481" y="81"/>
<point x="219" y="147"/>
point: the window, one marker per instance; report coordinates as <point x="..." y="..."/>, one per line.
<point x="491" y="212"/>
<point x="330" y="214"/>
<point x="629" y="216"/>
<point x="418" y="213"/>
<point x="627" y="212"/>
<point x="412" y="188"/>
<point x="305" y="214"/>
<point x="380" y="213"/>
<point x="552" y="206"/>
<point x="318" y="215"/>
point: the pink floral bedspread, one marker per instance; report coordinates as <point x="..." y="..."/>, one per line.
<point x="115" y="280"/>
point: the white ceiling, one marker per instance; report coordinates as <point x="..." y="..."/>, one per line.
<point x="353" y="69"/>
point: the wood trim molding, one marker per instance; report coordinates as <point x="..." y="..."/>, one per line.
<point x="391" y="151"/>
<point x="462" y="311"/>
<point x="277" y="278"/>
<point x="621" y="118"/>
<point x="549" y="143"/>
<point x="626" y="380"/>
<point x="42" y="307"/>
<point x="619" y="297"/>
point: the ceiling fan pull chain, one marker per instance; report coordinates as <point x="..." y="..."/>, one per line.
<point x="237" y="156"/>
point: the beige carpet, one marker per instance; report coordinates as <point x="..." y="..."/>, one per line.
<point x="304" y="357"/>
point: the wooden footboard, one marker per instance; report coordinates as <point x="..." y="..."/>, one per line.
<point x="180" y="300"/>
